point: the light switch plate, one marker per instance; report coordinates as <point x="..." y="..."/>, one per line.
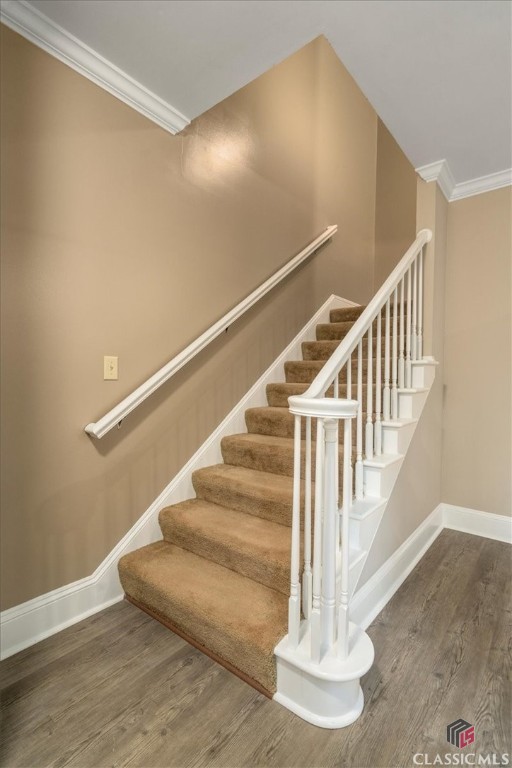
<point x="110" y="369"/>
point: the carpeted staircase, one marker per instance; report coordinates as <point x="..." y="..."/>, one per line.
<point x="220" y="577"/>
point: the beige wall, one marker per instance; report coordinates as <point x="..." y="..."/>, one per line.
<point x="118" y="238"/>
<point x="395" y="210"/>
<point x="477" y="458"/>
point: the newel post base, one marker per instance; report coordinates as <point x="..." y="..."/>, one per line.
<point x="328" y="694"/>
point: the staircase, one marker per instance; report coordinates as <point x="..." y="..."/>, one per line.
<point x="221" y="575"/>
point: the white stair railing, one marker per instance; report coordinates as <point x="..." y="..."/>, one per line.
<point x="391" y="325"/>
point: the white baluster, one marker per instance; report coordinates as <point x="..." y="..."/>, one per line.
<point x="386" y="393"/>
<point x="328" y="600"/>
<point x="394" y="360"/>
<point x="307" y="576"/>
<point x="401" y="359"/>
<point x="359" y="425"/>
<point x="343" y="614"/>
<point x="414" y="309"/>
<point x="408" y="333"/>
<point x="419" y="341"/>
<point x="378" y="389"/>
<point x="369" y="398"/>
<point x="316" y="629"/>
<point x="294" y="601"/>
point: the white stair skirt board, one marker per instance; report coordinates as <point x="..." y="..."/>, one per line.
<point x="328" y="694"/>
<point x="43" y="616"/>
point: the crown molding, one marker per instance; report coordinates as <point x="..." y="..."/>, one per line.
<point x="482" y="184"/>
<point x="440" y="172"/>
<point x="43" y="32"/>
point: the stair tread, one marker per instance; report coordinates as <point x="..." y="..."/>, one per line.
<point x="250" y="545"/>
<point x="233" y="616"/>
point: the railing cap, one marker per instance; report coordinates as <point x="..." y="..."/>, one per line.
<point x="323" y="407"/>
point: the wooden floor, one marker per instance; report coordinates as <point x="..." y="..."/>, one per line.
<point x="120" y="689"/>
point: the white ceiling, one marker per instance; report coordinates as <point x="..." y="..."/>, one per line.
<point x="438" y="72"/>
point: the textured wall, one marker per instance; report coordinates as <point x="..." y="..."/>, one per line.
<point x="120" y="239"/>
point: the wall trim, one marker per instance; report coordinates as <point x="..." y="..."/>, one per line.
<point x="32" y="621"/>
<point x="482" y="184"/>
<point x="373" y="596"/>
<point x="52" y="38"/>
<point x="440" y="172"/>
<point x="486" y="524"/>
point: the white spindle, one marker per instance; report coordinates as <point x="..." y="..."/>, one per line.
<point x="408" y="332"/>
<point x="419" y="342"/>
<point x="316" y="629"/>
<point x="386" y="393"/>
<point x="359" y="425"/>
<point x="394" y="360"/>
<point x="401" y="359"/>
<point x="307" y="576"/>
<point x="343" y="614"/>
<point x="369" y="399"/>
<point x="294" y="601"/>
<point x="328" y="600"/>
<point x="414" y="309"/>
<point x="378" y="389"/>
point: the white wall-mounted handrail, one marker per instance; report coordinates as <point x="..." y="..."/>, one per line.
<point x="100" y="428"/>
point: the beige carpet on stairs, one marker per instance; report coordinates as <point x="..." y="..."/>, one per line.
<point x="220" y="576"/>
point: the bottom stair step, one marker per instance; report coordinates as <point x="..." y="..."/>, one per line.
<point x="235" y="618"/>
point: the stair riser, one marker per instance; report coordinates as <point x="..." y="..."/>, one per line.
<point x="323" y="350"/>
<point x="279" y="397"/>
<point x="305" y="371"/>
<point x="280" y="462"/>
<point x="283" y="425"/>
<point x="270" y="575"/>
<point x="345" y="314"/>
<point x="332" y="331"/>
<point x="277" y="510"/>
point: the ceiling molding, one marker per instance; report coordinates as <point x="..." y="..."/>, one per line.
<point x="440" y="172"/>
<point x="43" y="32"/>
<point x="482" y="184"/>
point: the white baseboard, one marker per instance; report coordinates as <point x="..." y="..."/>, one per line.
<point x="487" y="524"/>
<point x="32" y="621"/>
<point x="369" y="601"/>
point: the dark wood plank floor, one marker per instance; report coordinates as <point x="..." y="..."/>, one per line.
<point x="119" y="689"/>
